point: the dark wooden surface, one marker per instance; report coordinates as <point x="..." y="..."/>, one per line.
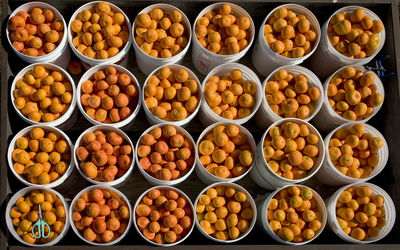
<point x="387" y="121"/>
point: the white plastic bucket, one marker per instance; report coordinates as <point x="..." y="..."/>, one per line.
<point x="154" y="181"/>
<point x="64" y="121"/>
<point x="388" y="205"/>
<point x="249" y="199"/>
<point x="205" y="60"/>
<point x="330" y="175"/>
<point x="105" y="128"/>
<point x="262" y="174"/>
<point x="112" y="189"/>
<point x="87" y="62"/>
<point x="265" y="116"/>
<point x="265" y="60"/>
<point x="124" y="124"/>
<point x="61" y="55"/>
<point x="327" y="119"/>
<point x="207" y="116"/>
<point x="148" y="63"/>
<point x="164" y="188"/>
<point x="21" y="193"/>
<point x="208" y="178"/>
<point x="25" y="132"/>
<point x="263" y="223"/>
<point x="327" y="59"/>
<point x="152" y="119"/>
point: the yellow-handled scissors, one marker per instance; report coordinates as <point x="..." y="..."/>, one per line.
<point x="40" y="226"/>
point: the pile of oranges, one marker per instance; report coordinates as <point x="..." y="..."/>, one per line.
<point x="355" y="34"/>
<point x="164" y="216"/>
<point x="35" y="33"/>
<point x="165" y="153"/>
<point x="354" y="152"/>
<point x="109" y="96"/>
<point x="101" y="215"/>
<point x="41" y="156"/>
<point x="223" y="32"/>
<point x="104" y="156"/>
<point x="224" y="212"/>
<point x="230" y="96"/>
<point x="161" y="34"/>
<point x="291" y="150"/>
<point x="43" y="95"/>
<point x="293" y="214"/>
<point x="172" y="95"/>
<point x="360" y="212"/>
<point x="289" y="34"/>
<point x="100" y="32"/>
<point x="226" y="152"/>
<point x="25" y="214"/>
<point x="291" y="96"/>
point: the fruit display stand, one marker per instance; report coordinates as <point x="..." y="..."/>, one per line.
<point x="387" y="121"/>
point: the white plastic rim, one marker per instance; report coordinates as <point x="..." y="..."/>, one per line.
<point x="152" y="119"/>
<point x="208" y="178"/>
<point x="332" y="58"/>
<point x="101" y="187"/>
<point x="89" y="74"/>
<point x="264" y="223"/>
<point x="262" y="52"/>
<point x="104" y="128"/>
<point x="330" y="175"/>
<point x="388" y="205"/>
<point x="327" y="119"/>
<point x="62" y="120"/>
<point x="89" y="62"/>
<point x="265" y="177"/>
<point x="164" y="188"/>
<point x="205" y="60"/>
<point x="249" y="199"/>
<point x="25" y="132"/>
<point x="207" y="116"/>
<point x="148" y="63"/>
<point x="57" y="52"/>
<point x="265" y="116"/>
<point x="22" y="193"/>
<point x="154" y="181"/>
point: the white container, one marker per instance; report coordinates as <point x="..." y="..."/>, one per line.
<point x="164" y="188"/>
<point x="152" y="119"/>
<point x="327" y="59"/>
<point x="21" y="193"/>
<point x="105" y="128"/>
<point x="327" y="119"/>
<point x="265" y="116"/>
<point x="207" y="177"/>
<point x="64" y="121"/>
<point x="205" y="60"/>
<point x="154" y="181"/>
<point x="87" y="62"/>
<point x="80" y="234"/>
<point x="330" y="175"/>
<point x="388" y="205"/>
<point x="265" y="60"/>
<point x="60" y="55"/>
<point x="249" y="199"/>
<point x="266" y="178"/>
<point x="263" y="223"/>
<point x="25" y="132"/>
<point x="207" y="116"/>
<point x="89" y="74"/>
<point x="148" y="63"/>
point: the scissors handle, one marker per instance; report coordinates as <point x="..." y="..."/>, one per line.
<point x="40" y="225"/>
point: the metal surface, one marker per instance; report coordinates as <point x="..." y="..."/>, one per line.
<point x="387" y="121"/>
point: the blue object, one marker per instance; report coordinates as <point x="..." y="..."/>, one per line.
<point x="40" y="227"/>
<point x="379" y="69"/>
